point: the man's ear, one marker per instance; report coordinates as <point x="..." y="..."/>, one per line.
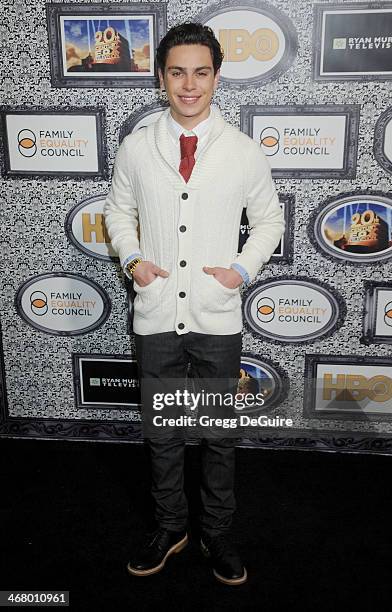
<point x="216" y="79"/>
<point x="161" y="81"/>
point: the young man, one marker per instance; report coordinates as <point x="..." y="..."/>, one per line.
<point x="173" y="215"/>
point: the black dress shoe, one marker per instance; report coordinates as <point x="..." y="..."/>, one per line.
<point x="226" y="563"/>
<point x="159" y="545"/>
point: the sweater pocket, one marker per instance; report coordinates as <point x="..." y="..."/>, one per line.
<point x="147" y="298"/>
<point x="215" y="297"/>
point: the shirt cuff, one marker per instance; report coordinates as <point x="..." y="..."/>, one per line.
<point x="127" y="261"/>
<point x="242" y="271"/>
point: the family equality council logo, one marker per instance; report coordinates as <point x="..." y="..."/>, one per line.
<point x="295" y="141"/>
<point x="52" y="143"/>
<point x="39" y="303"/>
<point x="27" y="143"/>
<point x="388" y="314"/>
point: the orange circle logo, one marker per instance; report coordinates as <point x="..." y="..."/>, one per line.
<point x="265" y="309"/>
<point x="388" y="314"/>
<point x="27" y="143"/>
<point x="39" y="303"/>
<point x="269" y="141"/>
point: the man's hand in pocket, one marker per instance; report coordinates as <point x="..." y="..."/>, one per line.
<point x="146" y="272"/>
<point x="228" y="277"/>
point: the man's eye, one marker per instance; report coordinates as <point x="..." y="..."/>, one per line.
<point x="203" y="74"/>
<point x="176" y="74"/>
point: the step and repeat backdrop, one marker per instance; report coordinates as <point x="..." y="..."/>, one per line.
<point x="311" y="84"/>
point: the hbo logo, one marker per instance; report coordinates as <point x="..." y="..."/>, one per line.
<point x="239" y="45"/>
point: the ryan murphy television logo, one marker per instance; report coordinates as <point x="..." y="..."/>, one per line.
<point x="352" y="42"/>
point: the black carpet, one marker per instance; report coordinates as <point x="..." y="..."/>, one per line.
<point x="313" y="528"/>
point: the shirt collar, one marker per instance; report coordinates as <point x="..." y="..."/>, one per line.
<point x="199" y="130"/>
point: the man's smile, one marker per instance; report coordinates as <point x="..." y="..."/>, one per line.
<point x="189" y="99"/>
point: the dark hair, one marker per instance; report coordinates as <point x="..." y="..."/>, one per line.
<point x="189" y="34"/>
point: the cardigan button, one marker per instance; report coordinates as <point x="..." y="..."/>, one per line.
<point x="182" y="228"/>
<point x="184" y="196"/>
<point x="182" y="294"/>
<point x="181" y="326"/>
<point x="182" y="263"/>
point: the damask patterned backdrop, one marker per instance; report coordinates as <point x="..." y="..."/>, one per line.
<point x="311" y="83"/>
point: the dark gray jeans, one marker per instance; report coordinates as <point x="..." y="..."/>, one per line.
<point x="167" y="355"/>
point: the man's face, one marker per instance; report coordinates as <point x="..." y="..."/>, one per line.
<point x="190" y="83"/>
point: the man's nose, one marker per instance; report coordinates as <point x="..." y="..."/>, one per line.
<point x="189" y="82"/>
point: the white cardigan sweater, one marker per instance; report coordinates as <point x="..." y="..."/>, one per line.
<point x="231" y="173"/>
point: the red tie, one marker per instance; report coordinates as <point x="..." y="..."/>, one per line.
<point x="188" y="146"/>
